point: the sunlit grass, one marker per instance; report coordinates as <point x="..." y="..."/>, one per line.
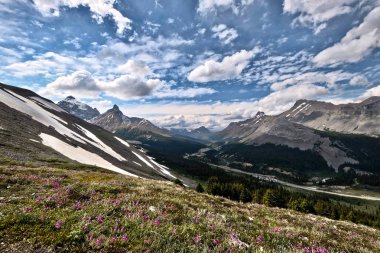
<point x="81" y="211"/>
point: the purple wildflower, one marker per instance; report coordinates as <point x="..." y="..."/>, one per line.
<point x="56" y="185"/>
<point x="27" y="209"/>
<point x="157" y="221"/>
<point x="99" y="241"/>
<point x="77" y="206"/>
<point x="197" y="239"/>
<point x="260" y="239"/>
<point x="100" y="218"/>
<point x="58" y="225"/>
<point x="125" y="237"/>
<point x="216" y="242"/>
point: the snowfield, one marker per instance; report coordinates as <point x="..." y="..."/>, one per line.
<point x="37" y="113"/>
<point x="96" y="142"/>
<point x="79" y="154"/>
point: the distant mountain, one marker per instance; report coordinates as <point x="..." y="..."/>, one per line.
<point x="114" y="120"/>
<point x="355" y="118"/>
<point x="297" y="144"/>
<point x="264" y="129"/>
<point x="201" y="133"/>
<point x="78" y="109"/>
<point x="35" y="130"/>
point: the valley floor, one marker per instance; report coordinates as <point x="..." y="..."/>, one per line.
<point x="56" y="210"/>
<point x="355" y="194"/>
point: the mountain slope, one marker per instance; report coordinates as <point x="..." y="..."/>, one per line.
<point x="353" y="118"/>
<point x="79" y="109"/>
<point x="34" y="129"/>
<point x="277" y="144"/>
<point x="50" y="210"/>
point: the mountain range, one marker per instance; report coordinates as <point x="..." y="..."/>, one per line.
<point x="311" y="140"/>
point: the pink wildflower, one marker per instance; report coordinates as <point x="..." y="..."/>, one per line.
<point x="56" y="185"/>
<point x="100" y="218"/>
<point x="197" y="239"/>
<point x="216" y="242"/>
<point x="58" y="225"/>
<point x="260" y="239"/>
<point x="157" y="221"/>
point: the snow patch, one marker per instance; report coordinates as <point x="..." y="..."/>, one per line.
<point x="34" y="140"/>
<point x="162" y="168"/>
<point x="137" y="163"/>
<point x="95" y="141"/>
<point x="123" y="142"/>
<point x="143" y="159"/>
<point x="79" y="154"/>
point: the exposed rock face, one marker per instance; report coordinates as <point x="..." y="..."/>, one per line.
<point x="78" y="109"/>
<point x="357" y="118"/>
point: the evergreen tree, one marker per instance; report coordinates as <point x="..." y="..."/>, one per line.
<point x="245" y="196"/>
<point x="199" y="188"/>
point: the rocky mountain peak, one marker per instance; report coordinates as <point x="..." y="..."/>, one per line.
<point x="69" y="98"/>
<point x="81" y="110"/>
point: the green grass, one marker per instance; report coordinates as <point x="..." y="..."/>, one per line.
<point x="87" y="211"/>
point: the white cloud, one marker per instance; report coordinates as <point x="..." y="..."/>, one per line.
<point x="99" y="8"/>
<point x="101" y="105"/>
<point x="330" y="79"/>
<point x="225" y="35"/>
<point x="359" y="80"/>
<point x="282" y="100"/>
<point x="375" y="91"/>
<point x="133" y="85"/>
<point x="129" y="86"/>
<point x="230" y="67"/>
<point x="41" y="65"/>
<point x="316" y="13"/>
<point x="206" y="6"/>
<point x="137" y="68"/>
<point x="358" y="43"/>
<point x="80" y="84"/>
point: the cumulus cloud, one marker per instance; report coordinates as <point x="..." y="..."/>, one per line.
<point x="317" y="13"/>
<point x="224" y="34"/>
<point x="80" y="84"/>
<point x="99" y="8"/>
<point x="375" y="91"/>
<point x="230" y="67"/>
<point x="206" y="6"/>
<point x="134" y="67"/>
<point x="129" y="86"/>
<point x="358" y="43"/>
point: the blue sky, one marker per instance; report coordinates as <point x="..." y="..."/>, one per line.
<point x="192" y="62"/>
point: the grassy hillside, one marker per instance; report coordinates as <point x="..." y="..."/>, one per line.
<point x="50" y="209"/>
